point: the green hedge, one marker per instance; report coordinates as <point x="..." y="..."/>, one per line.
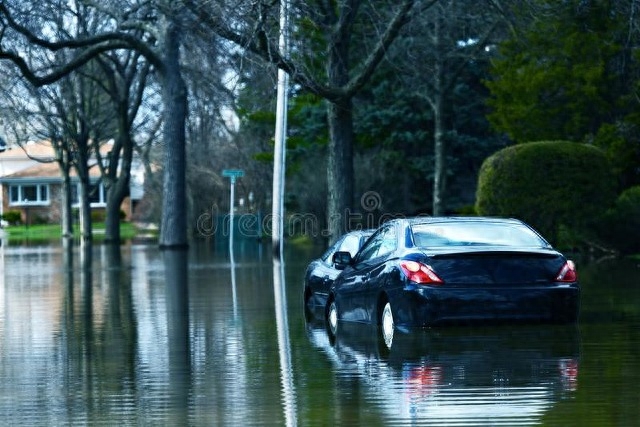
<point x="549" y="184"/>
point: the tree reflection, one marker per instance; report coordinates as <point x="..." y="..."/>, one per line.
<point x="99" y="327"/>
<point x="86" y="288"/>
<point x="177" y="304"/>
<point x="118" y="336"/>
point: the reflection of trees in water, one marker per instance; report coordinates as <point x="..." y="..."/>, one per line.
<point x="178" y="343"/>
<point x="98" y="329"/>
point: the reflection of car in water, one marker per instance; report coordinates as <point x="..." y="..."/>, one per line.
<point x="498" y="375"/>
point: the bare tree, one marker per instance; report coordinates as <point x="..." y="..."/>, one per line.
<point x="338" y="48"/>
<point x="125" y="81"/>
<point x="163" y="24"/>
<point x="72" y="116"/>
<point x="83" y="109"/>
<point x="29" y="114"/>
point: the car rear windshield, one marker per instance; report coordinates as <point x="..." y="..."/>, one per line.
<point x="476" y="233"/>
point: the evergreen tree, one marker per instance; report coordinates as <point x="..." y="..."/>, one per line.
<point x="558" y="75"/>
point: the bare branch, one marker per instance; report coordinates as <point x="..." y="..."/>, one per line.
<point x="87" y="47"/>
<point x="370" y="64"/>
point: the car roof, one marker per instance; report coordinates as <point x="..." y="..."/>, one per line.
<point x="364" y="232"/>
<point x="452" y="219"/>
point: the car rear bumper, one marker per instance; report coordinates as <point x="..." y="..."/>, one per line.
<point x="430" y="305"/>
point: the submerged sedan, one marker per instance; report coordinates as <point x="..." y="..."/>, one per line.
<point x="321" y="272"/>
<point x="426" y="271"/>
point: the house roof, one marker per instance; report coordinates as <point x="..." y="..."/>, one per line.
<point x="42" y="151"/>
<point x="44" y="167"/>
<point x="41" y="172"/>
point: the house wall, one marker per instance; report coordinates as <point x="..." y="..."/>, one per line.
<point x="49" y="214"/>
<point x="16" y="165"/>
<point x="5" y="198"/>
<point x="52" y="213"/>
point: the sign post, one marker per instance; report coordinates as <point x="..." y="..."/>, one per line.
<point x="232" y="174"/>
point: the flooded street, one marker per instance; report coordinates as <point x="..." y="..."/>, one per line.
<point x="145" y="337"/>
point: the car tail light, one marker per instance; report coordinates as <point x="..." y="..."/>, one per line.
<point x="567" y="273"/>
<point x="419" y="273"/>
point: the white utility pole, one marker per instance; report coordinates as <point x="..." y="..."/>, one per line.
<point x="277" y="205"/>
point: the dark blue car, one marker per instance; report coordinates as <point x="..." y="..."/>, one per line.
<point x="321" y="272"/>
<point x="430" y="270"/>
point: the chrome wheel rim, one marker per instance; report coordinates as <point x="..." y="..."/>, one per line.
<point x="332" y="317"/>
<point x="387" y="325"/>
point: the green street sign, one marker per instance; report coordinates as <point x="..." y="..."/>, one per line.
<point x="233" y="173"/>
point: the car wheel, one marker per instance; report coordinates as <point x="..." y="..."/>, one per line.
<point x="332" y="317"/>
<point x="387" y="325"/>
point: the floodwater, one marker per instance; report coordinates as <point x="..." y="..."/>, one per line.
<point x="140" y="336"/>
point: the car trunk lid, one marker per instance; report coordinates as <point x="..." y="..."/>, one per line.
<point x="495" y="266"/>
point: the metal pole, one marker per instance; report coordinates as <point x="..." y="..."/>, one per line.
<point x="231" y="203"/>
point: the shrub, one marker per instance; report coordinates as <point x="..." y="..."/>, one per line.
<point x="620" y="227"/>
<point x="38" y="220"/>
<point x="12" y="217"/>
<point x="548" y="184"/>
<point x="97" y="216"/>
<point x="469" y="210"/>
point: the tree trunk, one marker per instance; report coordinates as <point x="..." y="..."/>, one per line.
<point x="118" y="189"/>
<point x="340" y="168"/>
<point x="340" y="174"/>
<point x="440" y="167"/>
<point x="112" y="217"/>
<point x="439" y="144"/>
<point x="173" y="231"/>
<point x="66" y="213"/>
<point x="82" y="169"/>
<point x="85" y="213"/>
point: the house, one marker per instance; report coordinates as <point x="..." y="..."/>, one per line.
<point x="31" y="183"/>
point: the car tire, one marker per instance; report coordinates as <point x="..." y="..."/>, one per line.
<point x="387" y="325"/>
<point x="332" y="317"/>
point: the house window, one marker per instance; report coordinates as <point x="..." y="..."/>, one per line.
<point x="97" y="195"/>
<point x="29" y="194"/>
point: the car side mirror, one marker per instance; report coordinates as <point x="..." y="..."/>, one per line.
<point x="341" y="260"/>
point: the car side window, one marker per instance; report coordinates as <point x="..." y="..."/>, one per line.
<point x="389" y="242"/>
<point x="350" y="244"/>
<point x="382" y="243"/>
<point x="326" y="257"/>
<point x="370" y="249"/>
